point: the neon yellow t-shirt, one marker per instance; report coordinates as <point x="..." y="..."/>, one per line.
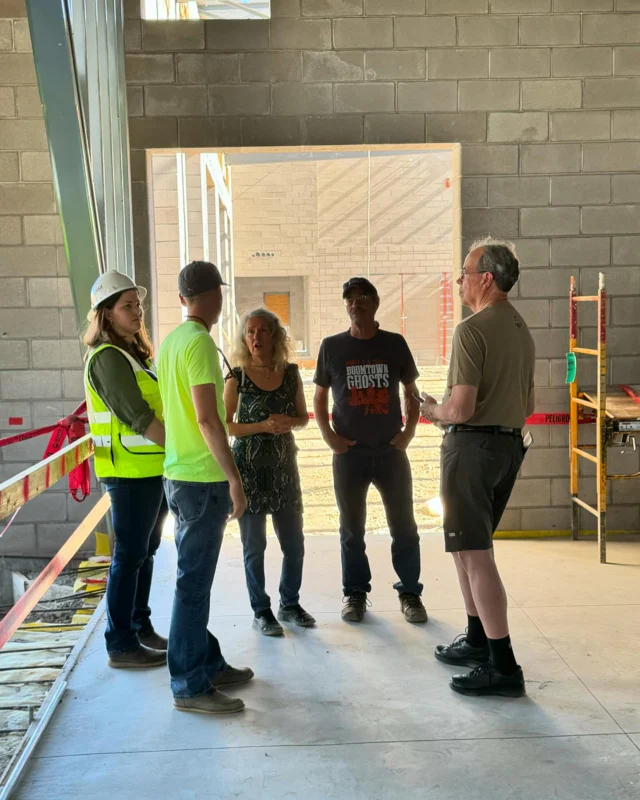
<point x="188" y="357"/>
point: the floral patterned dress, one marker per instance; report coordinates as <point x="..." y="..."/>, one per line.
<point x="268" y="463"/>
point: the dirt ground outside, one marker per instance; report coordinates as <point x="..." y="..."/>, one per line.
<point x="314" y="461"/>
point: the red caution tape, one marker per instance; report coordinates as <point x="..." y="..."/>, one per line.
<point x="631" y="392"/>
<point x="71" y="427"/>
<point x="552" y="418"/>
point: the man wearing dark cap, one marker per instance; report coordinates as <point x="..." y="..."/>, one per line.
<point x="203" y="489"/>
<point x="363" y="368"/>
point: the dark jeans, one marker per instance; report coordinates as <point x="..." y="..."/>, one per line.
<point x="390" y="472"/>
<point x="138" y="509"/>
<point x="194" y="656"/>
<point x="288" y="528"/>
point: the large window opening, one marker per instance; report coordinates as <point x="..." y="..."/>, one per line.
<point x="287" y="227"/>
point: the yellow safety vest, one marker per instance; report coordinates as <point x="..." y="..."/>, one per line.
<point x="119" y="451"/>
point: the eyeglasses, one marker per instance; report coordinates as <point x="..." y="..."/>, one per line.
<point x="349" y="301"/>
<point x="464" y="273"/>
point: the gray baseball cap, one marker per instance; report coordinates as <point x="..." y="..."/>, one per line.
<point x="199" y="277"/>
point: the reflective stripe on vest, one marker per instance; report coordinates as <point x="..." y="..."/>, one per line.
<point x="101" y="417"/>
<point x="136" y="441"/>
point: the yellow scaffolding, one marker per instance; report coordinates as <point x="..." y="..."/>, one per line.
<point x="615" y="413"/>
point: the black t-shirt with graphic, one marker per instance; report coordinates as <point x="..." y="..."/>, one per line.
<point x="364" y="376"/>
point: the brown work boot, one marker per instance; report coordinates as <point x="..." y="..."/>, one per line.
<point x="355" y="606"/>
<point x="210" y="703"/>
<point x="141" y="658"/>
<point x="232" y="676"/>
<point x="153" y="640"/>
<point x="412" y="608"/>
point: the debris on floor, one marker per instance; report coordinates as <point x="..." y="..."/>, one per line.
<point x="37" y="652"/>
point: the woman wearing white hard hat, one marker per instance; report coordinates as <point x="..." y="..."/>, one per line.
<point x="125" y="417"/>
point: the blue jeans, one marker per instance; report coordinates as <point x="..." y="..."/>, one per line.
<point x="138" y="509"/>
<point x="194" y="656"/>
<point x="253" y="531"/>
<point x="390" y="472"/>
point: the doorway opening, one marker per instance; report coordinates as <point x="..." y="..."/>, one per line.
<point x="287" y="227"/>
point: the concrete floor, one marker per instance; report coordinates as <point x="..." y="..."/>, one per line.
<point x="355" y="712"/>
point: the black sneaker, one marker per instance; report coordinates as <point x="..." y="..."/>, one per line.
<point x="461" y="654"/>
<point x="486" y="680"/>
<point x="267" y="624"/>
<point x="297" y="615"/>
<point x="355" y="605"/>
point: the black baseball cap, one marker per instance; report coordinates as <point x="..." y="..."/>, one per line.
<point x="359" y="283"/>
<point x="199" y="277"/>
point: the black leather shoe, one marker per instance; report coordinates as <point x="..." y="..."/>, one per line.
<point x="461" y="653"/>
<point x="267" y="624"/>
<point x="486" y="680"/>
<point x="297" y="615"/>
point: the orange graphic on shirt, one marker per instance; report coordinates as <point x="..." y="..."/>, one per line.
<point x="374" y="401"/>
<point x="368" y="385"/>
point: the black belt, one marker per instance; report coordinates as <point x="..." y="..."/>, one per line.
<point x="484" y="429"/>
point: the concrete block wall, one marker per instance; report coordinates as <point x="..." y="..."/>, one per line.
<point x="544" y="97"/>
<point x="40" y="356"/>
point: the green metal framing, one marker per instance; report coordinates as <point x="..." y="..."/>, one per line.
<point x="50" y="29"/>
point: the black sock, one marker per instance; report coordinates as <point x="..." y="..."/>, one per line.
<point x="476" y="636"/>
<point x="502" y="657"/>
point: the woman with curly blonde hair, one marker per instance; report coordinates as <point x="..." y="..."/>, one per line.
<point x="265" y="403"/>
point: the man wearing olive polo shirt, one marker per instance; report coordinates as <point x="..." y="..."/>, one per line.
<point x="202" y="485"/>
<point x="489" y="396"/>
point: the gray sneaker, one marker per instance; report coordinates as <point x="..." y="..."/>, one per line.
<point x="141" y="658"/>
<point x="230" y="676"/>
<point x="267" y="624"/>
<point x="210" y="703"/>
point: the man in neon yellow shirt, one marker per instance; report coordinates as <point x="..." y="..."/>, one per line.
<point x="203" y="488"/>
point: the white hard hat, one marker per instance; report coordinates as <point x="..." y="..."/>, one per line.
<point x="111" y="283"/>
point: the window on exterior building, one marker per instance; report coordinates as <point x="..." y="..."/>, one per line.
<point x="205" y="9"/>
<point x="279" y="304"/>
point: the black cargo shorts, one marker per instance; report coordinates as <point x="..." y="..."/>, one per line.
<point x="478" y="470"/>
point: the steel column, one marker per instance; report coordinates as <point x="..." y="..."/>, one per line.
<point x="98" y="37"/>
<point x="49" y="25"/>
